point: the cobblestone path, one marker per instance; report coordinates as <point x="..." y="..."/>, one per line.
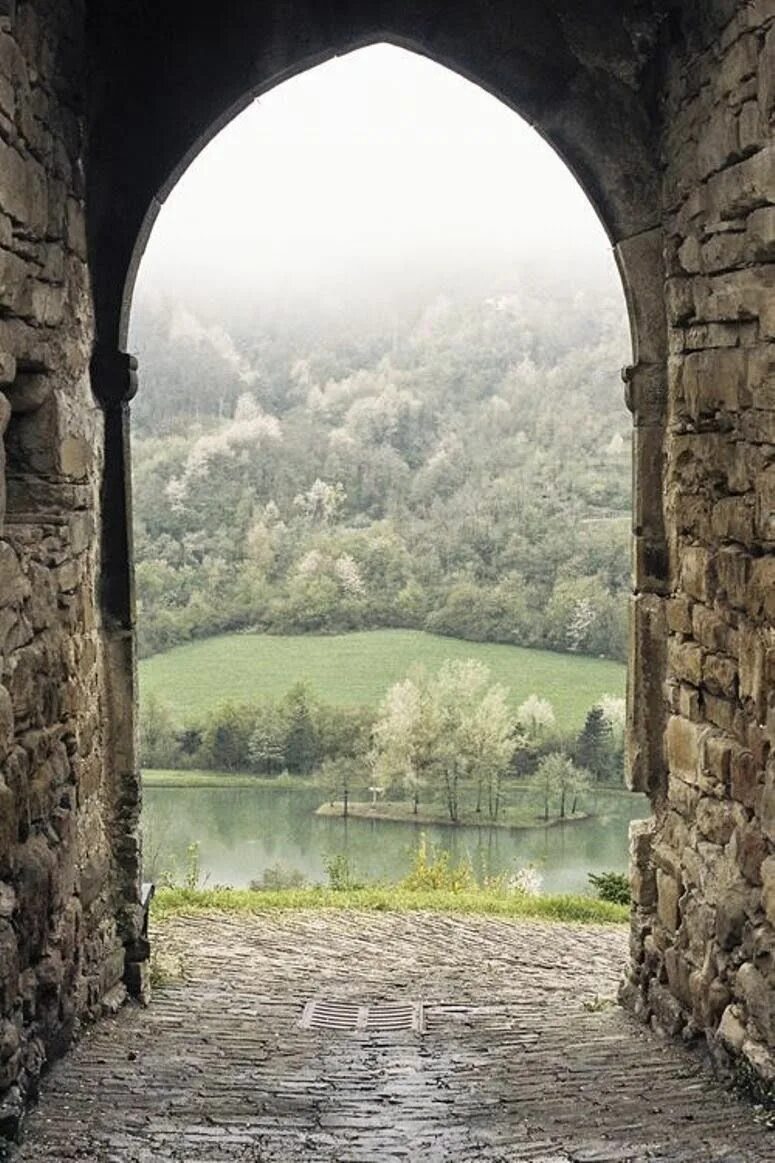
<point x="522" y="1058"/>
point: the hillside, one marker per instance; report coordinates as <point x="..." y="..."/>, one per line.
<point x="358" y="668"/>
<point x="458" y="464"/>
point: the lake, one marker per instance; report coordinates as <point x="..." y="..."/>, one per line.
<point x="240" y="832"/>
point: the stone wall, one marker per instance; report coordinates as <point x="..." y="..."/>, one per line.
<point x="61" y="956"/>
<point x="102" y="102"/>
<point x="704" y="872"/>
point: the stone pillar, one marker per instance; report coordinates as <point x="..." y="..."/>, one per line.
<point x="114" y="382"/>
<point x="641" y="262"/>
<point x="5" y="416"/>
<point x="642" y="265"/>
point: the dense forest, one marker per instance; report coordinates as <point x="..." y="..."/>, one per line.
<point x="459" y="463"/>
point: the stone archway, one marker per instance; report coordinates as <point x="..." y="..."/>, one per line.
<point x="664" y="113"/>
<point x="597" y="123"/>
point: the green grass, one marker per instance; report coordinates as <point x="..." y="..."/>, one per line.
<point x="171" y="902"/>
<point x="351" y="669"/>
<point x="402" y="812"/>
<point x="155" y="777"/>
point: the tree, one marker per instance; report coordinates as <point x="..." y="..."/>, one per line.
<point x="225" y="739"/>
<point x="406" y="738"/>
<point x="594" y="744"/>
<point x="447" y="732"/>
<point x="546" y="779"/>
<point x="266" y="747"/>
<point x="158" y="743"/>
<point x="573" y="781"/>
<point x="458" y="688"/>
<point x="338" y="777"/>
<point x="301" y="738"/>
<point x="486" y="738"/>
<point x="600" y="744"/>
<point x="557" y="776"/>
<point x="460" y="468"/>
<point x="536" y="717"/>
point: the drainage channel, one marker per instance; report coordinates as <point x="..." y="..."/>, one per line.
<point x="350" y="1017"/>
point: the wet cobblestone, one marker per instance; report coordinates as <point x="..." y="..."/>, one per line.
<point x="524" y="1057"/>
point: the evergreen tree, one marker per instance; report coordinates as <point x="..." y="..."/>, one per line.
<point x="594" y="746"/>
<point x="301" y="740"/>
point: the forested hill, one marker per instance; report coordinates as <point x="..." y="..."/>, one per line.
<point x="461" y="465"/>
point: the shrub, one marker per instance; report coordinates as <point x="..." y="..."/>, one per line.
<point x="340" y="873"/>
<point x="527" y="880"/>
<point x="432" y="869"/>
<point x="612" y="886"/>
<point x="279" y="876"/>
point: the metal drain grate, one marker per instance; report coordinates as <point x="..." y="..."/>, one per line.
<point x="347" y="1016"/>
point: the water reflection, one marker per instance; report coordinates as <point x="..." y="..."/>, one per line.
<point x="243" y="831"/>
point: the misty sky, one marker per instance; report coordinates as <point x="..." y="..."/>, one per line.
<point x="378" y="161"/>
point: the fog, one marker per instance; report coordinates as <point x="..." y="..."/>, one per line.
<point x="376" y="175"/>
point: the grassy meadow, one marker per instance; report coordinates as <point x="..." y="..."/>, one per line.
<point x="358" y="668"/>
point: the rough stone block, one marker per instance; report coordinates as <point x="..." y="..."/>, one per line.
<point x="717" y="754"/>
<point x="710" y="630"/>
<point x="766" y="809"/>
<point x="683" y="747"/>
<point x="645" y="694"/>
<point x="768" y="887"/>
<point x="731" y="1029"/>
<point x="766" y="87"/>
<point x="719" y="143"/>
<point x="750" y="850"/>
<point x="761" y="596"/>
<point x="733" y="570"/>
<point x="14" y="587"/>
<point x="723" y="251"/>
<point x="751" y="129"/>
<point x="760" y="235"/>
<point x="679" y="615"/>
<point x="648" y="495"/>
<point x="14" y="273"/>
<point x="744" y="187"/>
<point x="717" y="819"/>
<point x="757" y="428"/>
<point x="651" y="565"/>
<point x="720" y="712"/>
<point x="761" y="371"/>
<point x="740" y="61"/>
<point x="684" y="660"/>
<point x="759" y="999"/>
<point x="669" y="892"/>
<point x="744" y="776"/>
<point x="23" y="192"/>
<point x="696" y="572"/>
<point x="7" y="375"/>
<point x="732" y="519"/>
<point x="719" y="675"/>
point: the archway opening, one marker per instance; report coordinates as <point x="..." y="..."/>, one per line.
<point x="381" y="427"/>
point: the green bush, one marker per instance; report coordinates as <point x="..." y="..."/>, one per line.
<point x="432" y="870"/>
<point x="279" y="876"/>
<point x="340" y="873"/>
<point x="612" y="886"/>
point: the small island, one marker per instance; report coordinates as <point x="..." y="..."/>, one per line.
<point x="402" y="812"/>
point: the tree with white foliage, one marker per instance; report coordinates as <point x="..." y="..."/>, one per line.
<point x="406" y="738"/>
<point x="448" y="732"/>
<point x="346" y="570"/>
<point x="557" y="776"/>
<point x="536" y="717"/>
<point x="321" y="503"/>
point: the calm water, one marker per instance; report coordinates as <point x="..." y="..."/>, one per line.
<point x="243" y="831"/>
